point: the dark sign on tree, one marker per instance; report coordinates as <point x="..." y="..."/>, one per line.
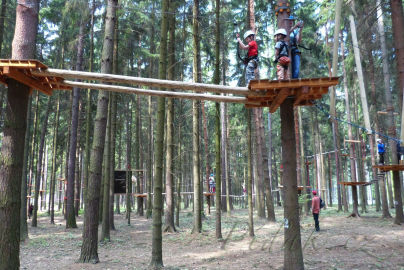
<point x="120" y="182"/>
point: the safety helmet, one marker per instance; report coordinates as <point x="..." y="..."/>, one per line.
<point x="314" y="192"/>
<point x="379" y="140"/>
<point x="248" y="33"/>
<point x="281" y="31"/>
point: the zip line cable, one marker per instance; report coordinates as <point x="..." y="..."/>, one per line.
<point x="320" y="108"/>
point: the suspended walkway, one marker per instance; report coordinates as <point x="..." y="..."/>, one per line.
<point x="259" y="93"/>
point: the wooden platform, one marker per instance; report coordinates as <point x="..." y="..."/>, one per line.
<point x="208" y="194"/>
<point x="143" y="195"/>
<point x="20" y="70"/>
<point x="354" y="183"/>
<point x="299" y="187"/>
<point x="386" y="168"/>
<point x="271" y="94"/>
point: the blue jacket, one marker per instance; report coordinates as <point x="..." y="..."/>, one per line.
<point x="381" y="148"/>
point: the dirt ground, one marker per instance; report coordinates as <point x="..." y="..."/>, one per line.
<point x="368" y="242"/>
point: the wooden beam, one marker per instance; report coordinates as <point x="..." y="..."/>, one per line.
<point x="23" y="78"/>
<point x="112" y="78"/>
<point x="300" y="96"/>
<point x="282" y="95"/>
<point x="294" y="83"/>
<point x="352" y="141"/>
<point x="383" y="112"/>
<point x="131" y="90"/>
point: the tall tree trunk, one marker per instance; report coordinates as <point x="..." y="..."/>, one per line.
<point x="334" y="123"/>
<point x="149" y="125"/>
<point x="24" y="182"/>
<point x="216" y="80"/>
<point x="397" y="17"/>
<point x="398" y="28"/>
<point x="267" y="179"/>
<point x="105" y="230"/>
<point x="114" y="101"/>
<point x="249" y="176"/>
<point x="70" y="215"/>
<point x="33" y="147"/>
<point x="3" y="10"/>
<point x="88" y="110"/>
<point x="195" y="120"/>
<point x="293" y="256"/>
<point x="54" y="159"/>
<point x="169" y="214"/>
<point x="128" y="159"/>
<point x="39" y="164"/>
<point x="362" y="94"/>
<point x="89" y="248"/>
<point x="350" y="135"/>
<point x="180" y="170"/>
<point x="157" y="252"/>
<point x="206" y="144"/>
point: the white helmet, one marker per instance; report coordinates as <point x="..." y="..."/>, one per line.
<point x="281" y="31"/>
<point x="248" y="33"/>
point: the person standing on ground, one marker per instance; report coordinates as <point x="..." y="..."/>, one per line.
<point x="295" y="37"/>
<point x="381" y="149"/>
<point x="315" y="206"/>
<point x="282" y="59"/>
<point x="251" y="61"/>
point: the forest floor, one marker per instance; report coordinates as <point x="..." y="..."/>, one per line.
<point x="368" y="242"/>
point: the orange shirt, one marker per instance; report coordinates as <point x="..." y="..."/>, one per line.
<point x="315" y="205"/>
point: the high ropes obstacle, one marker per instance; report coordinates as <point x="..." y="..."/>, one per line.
<point x="259" y="93"/>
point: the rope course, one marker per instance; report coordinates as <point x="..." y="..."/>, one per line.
<point x="260" y="93"/>
<point x="321" y="108"/>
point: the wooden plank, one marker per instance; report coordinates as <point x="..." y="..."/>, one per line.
<point x="352" y="141"/>
<point x="25" y="64"/>
<point x="200" y="87"/>
<point x="23" y="78"/>
<point x="386" y="168"/>
<point x="294" y="83"/>
<point x="282" y="95"/>
<point x="131" y="90"/>
<point x="353" y="183"/>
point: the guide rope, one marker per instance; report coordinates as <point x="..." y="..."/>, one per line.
<point x="321" y="108"/>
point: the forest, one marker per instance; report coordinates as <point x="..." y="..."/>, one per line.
<point x="176" y="134"/>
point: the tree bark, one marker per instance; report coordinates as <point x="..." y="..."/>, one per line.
<point x="24" y="183"/>
<point x="89" y="248"/>
<point x="169" y="213"/>
<point x="12" y="148"/>
<point x="195" y="120"/>
<point x="39" y="165"/>
<point x="249" y="176"/>
<point x="105" y="230"/>
<point x="398" y="28"/>
<point x="54" y="160"/>
<point x="293" y="256"/>
<point x="157" y="252"/>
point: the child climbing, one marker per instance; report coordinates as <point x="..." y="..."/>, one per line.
<point x="251" y="60"/>
<point x="295" y="37"/>
<point x="282" y="59"/>
<point x="381" y="149"/>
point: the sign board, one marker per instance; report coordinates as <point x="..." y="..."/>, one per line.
<point x="120" y="181"/>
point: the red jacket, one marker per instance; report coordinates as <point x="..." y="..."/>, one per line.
<point x="315" y="205"/>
